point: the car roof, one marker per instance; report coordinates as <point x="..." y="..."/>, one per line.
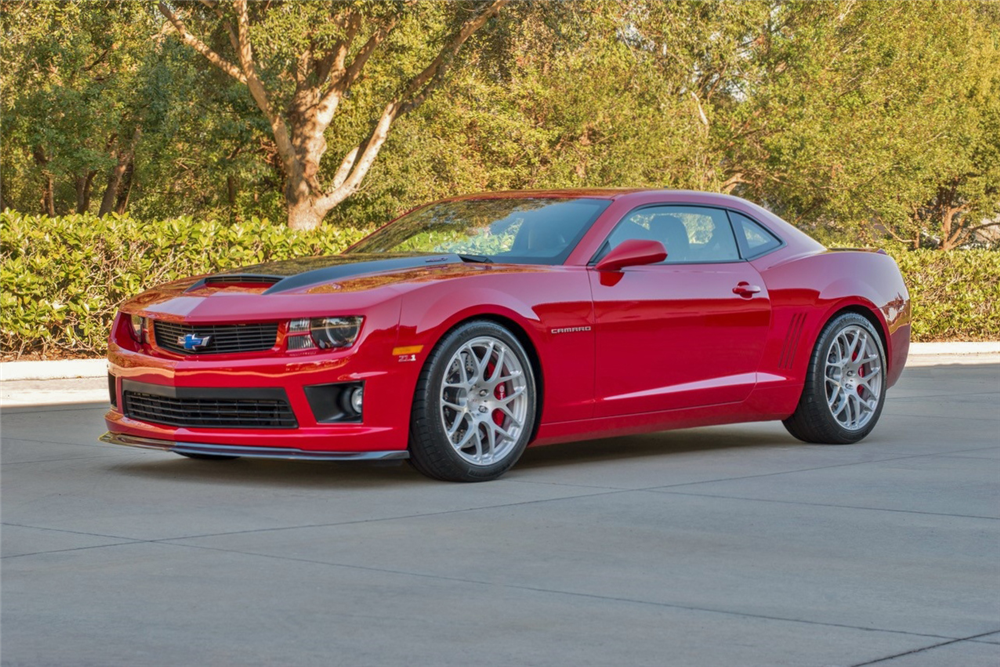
<point x="690" y="196"/>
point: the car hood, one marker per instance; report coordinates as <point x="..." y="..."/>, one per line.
<point x="303" y="287"/>
<point x="292" y="275"/>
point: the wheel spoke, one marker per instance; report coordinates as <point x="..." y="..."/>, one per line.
<point x="464" y="442"/>
<point x="459" y="420"/>
<point x="484" y="362"/>
<point x="502" y="433"/>
<point x="491" y="441"/>
<point x="498" y="367"/>
<point x="510" y="415"/>
<point x="479" y="443"/>
<point x="511" y="396"/>
<point x="836" y="394"/>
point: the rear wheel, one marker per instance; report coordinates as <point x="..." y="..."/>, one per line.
<point x="845" y="385"/>
<point x="474" y="406"/>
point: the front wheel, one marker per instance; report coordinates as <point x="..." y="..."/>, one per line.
<point x="474" y="406"/>
<point x="845" y="385"/>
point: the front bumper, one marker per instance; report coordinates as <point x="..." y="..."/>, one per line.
<point x="206" y="449"/>
<point x="384" y="426"/>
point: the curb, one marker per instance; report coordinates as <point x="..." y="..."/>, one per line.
<point x="93" y="368"/>
<point x="53" y="370"/>
<point x="921" y="349"/>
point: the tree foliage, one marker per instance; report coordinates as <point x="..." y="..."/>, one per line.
<point x="856" y="119"/>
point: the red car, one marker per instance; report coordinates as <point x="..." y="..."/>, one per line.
<point x="470" y="328"/>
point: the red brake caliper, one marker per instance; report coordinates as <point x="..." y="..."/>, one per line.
<point x="500" y="392"/>
<point x="861" y="371"/>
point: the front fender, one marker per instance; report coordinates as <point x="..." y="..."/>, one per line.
<point x="552" y="307"/>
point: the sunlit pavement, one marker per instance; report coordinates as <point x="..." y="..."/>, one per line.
<point x="720" y="546"/>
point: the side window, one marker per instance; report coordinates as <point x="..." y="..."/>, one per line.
<point x="691" y="234"/>
<point x="756" y="239"/>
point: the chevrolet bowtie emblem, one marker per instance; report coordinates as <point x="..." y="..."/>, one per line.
<point x="193" y="341"/>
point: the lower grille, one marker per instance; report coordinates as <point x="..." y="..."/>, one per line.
<point x="218" y="338"/>
<point x="207" y="408"/>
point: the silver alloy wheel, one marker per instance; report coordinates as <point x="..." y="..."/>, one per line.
<point x="853" y="377"/>
<point x="484" y="400"/>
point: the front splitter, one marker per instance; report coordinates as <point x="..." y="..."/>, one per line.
<point x="249" y="452"/>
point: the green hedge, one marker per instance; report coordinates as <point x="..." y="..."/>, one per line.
<point x="955" y="294"/>
<point x="62" y="279"/>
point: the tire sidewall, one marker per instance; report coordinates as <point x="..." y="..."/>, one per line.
<point x="437" y="368"/>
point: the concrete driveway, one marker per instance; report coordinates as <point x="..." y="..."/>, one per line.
<point x="719" y="546"/>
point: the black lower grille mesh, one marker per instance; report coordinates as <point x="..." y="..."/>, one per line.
<point x="221" y="338"/>
<point x="209" y="412"/>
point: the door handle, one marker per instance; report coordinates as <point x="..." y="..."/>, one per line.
<point x="746" y="289"/>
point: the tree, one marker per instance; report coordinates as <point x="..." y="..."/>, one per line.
<point x="301" y="83"/>
<point x="70" y="112"/>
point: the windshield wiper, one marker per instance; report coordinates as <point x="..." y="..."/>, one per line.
<point x="478" y="259"/>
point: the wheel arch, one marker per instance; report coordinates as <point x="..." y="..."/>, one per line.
<point x="521" y="334"/>
<point x="868" y="312"/>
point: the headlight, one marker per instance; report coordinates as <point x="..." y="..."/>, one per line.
<point x="331" y="332"/>
<point x="138" y="328"/>
<point x="325" y="333"/>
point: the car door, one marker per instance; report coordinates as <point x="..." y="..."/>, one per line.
<point x="683" y="333"/>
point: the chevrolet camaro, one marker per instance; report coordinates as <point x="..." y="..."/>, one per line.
<point x="471" y="328"/>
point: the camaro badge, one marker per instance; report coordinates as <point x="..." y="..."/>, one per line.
<point x="570" y="330"/>
<point x="193" y="341"/>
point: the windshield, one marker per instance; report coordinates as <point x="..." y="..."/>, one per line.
<point x="517" y="231"/>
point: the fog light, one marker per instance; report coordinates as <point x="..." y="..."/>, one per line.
<point x="339" y="402"/>
<point x="357" y="397"/>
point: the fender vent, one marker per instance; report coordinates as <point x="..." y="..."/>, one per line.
<point x="792" y="341"/>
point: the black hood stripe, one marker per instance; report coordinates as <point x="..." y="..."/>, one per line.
<point x="352" y="270"/>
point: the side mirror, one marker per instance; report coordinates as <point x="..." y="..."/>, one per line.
<point x="632" y="253"/>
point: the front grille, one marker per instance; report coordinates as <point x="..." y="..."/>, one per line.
<point x="207" y="408"/>
<point x="222" y="338"/>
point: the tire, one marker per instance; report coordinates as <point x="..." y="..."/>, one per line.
<point x="474" y="406"/>
<point x="208" y="457"/>
<point x="845" y="384"/>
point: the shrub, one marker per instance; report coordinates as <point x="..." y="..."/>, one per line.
<point x="955" y="294"/>
<point x="63" y="279"/>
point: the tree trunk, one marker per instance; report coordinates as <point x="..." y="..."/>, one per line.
<point x="125" y="189"/>
<point x="48" y="185"/>
<point x="48" y="195"/>
<point x="303" y="213"/>
<point x="83" y="188"/>
<point x="125" y="157"/>
<point x="111" y="191"/>
<point x="231" y="190"/>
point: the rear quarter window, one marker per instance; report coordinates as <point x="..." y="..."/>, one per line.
<point x="755" y="239"/>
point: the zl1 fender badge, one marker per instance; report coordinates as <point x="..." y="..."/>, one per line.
<point x="408" y="353"/>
